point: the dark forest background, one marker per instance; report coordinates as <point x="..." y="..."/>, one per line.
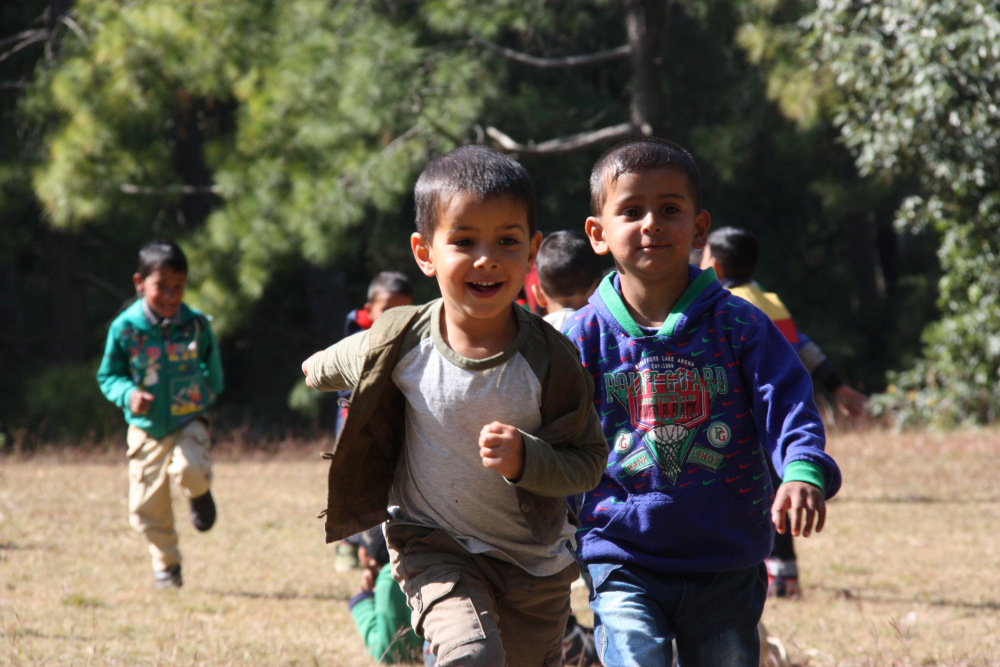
<point x="279" y="142"/>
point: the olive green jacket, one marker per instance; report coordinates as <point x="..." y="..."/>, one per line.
<point x="565" y="457"/>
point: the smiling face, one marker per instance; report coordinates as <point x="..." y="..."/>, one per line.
<point x="649" y="223"/>
<point x="163" y="289"/>
<point x="479" y="252"/>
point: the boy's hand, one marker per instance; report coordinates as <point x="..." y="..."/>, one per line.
<point x="502" y="448"/>
<point x="306" y="365"/>
<point x="139" y="401"/>
<point x="851" y="402"/>
<point x="798" y="498"/>
<point x="371" y="569"/>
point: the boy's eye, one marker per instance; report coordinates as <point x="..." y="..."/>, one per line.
<point x="631" y="212"/>
<point x="508" y="240"/>
<point x="462" y="242"/>
<point x="670" y="209"/>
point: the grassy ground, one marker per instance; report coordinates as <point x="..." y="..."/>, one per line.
<point x="906" y="573"/>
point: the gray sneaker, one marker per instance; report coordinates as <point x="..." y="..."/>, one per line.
<point x="168" y="578"/>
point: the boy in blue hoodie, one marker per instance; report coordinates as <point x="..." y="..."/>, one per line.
<point x="162" y="367"/>
<point x="696" y="390"/>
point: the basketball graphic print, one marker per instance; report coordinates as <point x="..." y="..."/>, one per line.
<point x="667" y="444"/>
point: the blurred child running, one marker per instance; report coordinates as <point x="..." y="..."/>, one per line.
<point x="733" y="253"/>
<point x="387" y="290"/>
<point x="568" y="273"/>
<point x="162" y="367"/>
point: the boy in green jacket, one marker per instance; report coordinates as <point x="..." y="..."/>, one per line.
<point x="162" y="367"/>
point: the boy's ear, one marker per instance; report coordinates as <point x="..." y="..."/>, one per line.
<point x="137" y="281"/>
<point x="540" y="298"/>
<point x="422" y="253"/>
<point x="702" y="222"/>
<point x="595" y="232"/>
<point x="535" y="244"/>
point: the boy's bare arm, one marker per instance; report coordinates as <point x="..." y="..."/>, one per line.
<point x="805" y="505"/>
<point x="502" y="448"/>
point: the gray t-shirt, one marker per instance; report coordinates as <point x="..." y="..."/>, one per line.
<point x="440" y="479"/>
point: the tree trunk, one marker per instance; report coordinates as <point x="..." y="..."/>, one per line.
<point x="646" y="23"/>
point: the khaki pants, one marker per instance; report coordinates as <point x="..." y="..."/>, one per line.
<point x="181" y="456"/>
<point x="476" y="610"/>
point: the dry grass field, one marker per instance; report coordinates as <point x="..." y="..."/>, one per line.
<point x="906" y="573"/>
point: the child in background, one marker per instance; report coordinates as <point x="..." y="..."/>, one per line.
<point x="387" y="290"/>
<point x="162" y="367"/>
<point x="733" y="254"/>
<point x="568" y="273"/>
<point x="470" y="424"/>
<point x="697" y="391"/>
<point x="379" y="608"/>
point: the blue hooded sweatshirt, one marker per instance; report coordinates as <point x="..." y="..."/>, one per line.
<point x="692" y="413"/>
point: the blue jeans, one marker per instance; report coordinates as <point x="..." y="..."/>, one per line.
<point x="713" y="616"/>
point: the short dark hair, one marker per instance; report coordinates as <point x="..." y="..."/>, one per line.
<point x="161" y="253"/>
<point x="736" y="250"/>
<point x="640" y="154"/>
<point x="566" y="264"/>
<point x="476" y="170"/>
<point x="390" y="282"/>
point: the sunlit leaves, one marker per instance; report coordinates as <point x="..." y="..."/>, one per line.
<point x="918" y="88"/>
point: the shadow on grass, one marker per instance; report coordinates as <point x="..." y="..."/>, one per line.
<point x="915" y="500"/>
<point x="845" y="594"/>
<point x="257" y="595"/>
<point x="13" y="546"/>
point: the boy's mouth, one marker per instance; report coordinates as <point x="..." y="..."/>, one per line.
<point x="484" y="287"/>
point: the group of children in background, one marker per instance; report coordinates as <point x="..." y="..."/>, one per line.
<point x="651" y="436"/>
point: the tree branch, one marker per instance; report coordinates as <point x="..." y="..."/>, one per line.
<point x="13" y="39"/>
<point x="552" y="63"/>
<point x="38" y="36"/>
<point x="565" y="144"/>
<point x="75" y="27"/>
<point x="132" y="189"/>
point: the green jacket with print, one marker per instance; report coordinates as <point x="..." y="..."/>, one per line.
<point x="178" y="363"/>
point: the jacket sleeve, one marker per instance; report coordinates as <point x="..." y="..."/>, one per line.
<point x="785" y="414"/>
<point x="339" y="366"/>
<point x="211" y="360"/>
<point x="568" y="455"/>
<point x="114" y="376"/>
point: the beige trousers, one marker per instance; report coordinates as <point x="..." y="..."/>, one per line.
<point x="181" y="456"/>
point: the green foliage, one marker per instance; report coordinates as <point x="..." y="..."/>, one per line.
<point x="63" y="402"/>
<point x="312" y="116"/>
<point x="919" y="94"/>
<point x="280" y="142"/>
<point x="305" y="401"/>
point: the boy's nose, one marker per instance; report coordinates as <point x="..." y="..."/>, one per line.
<point x="485" y="260"/>
<point x="651" y="222"/>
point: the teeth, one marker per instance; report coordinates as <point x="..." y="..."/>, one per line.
<point x="483" y="284"/>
